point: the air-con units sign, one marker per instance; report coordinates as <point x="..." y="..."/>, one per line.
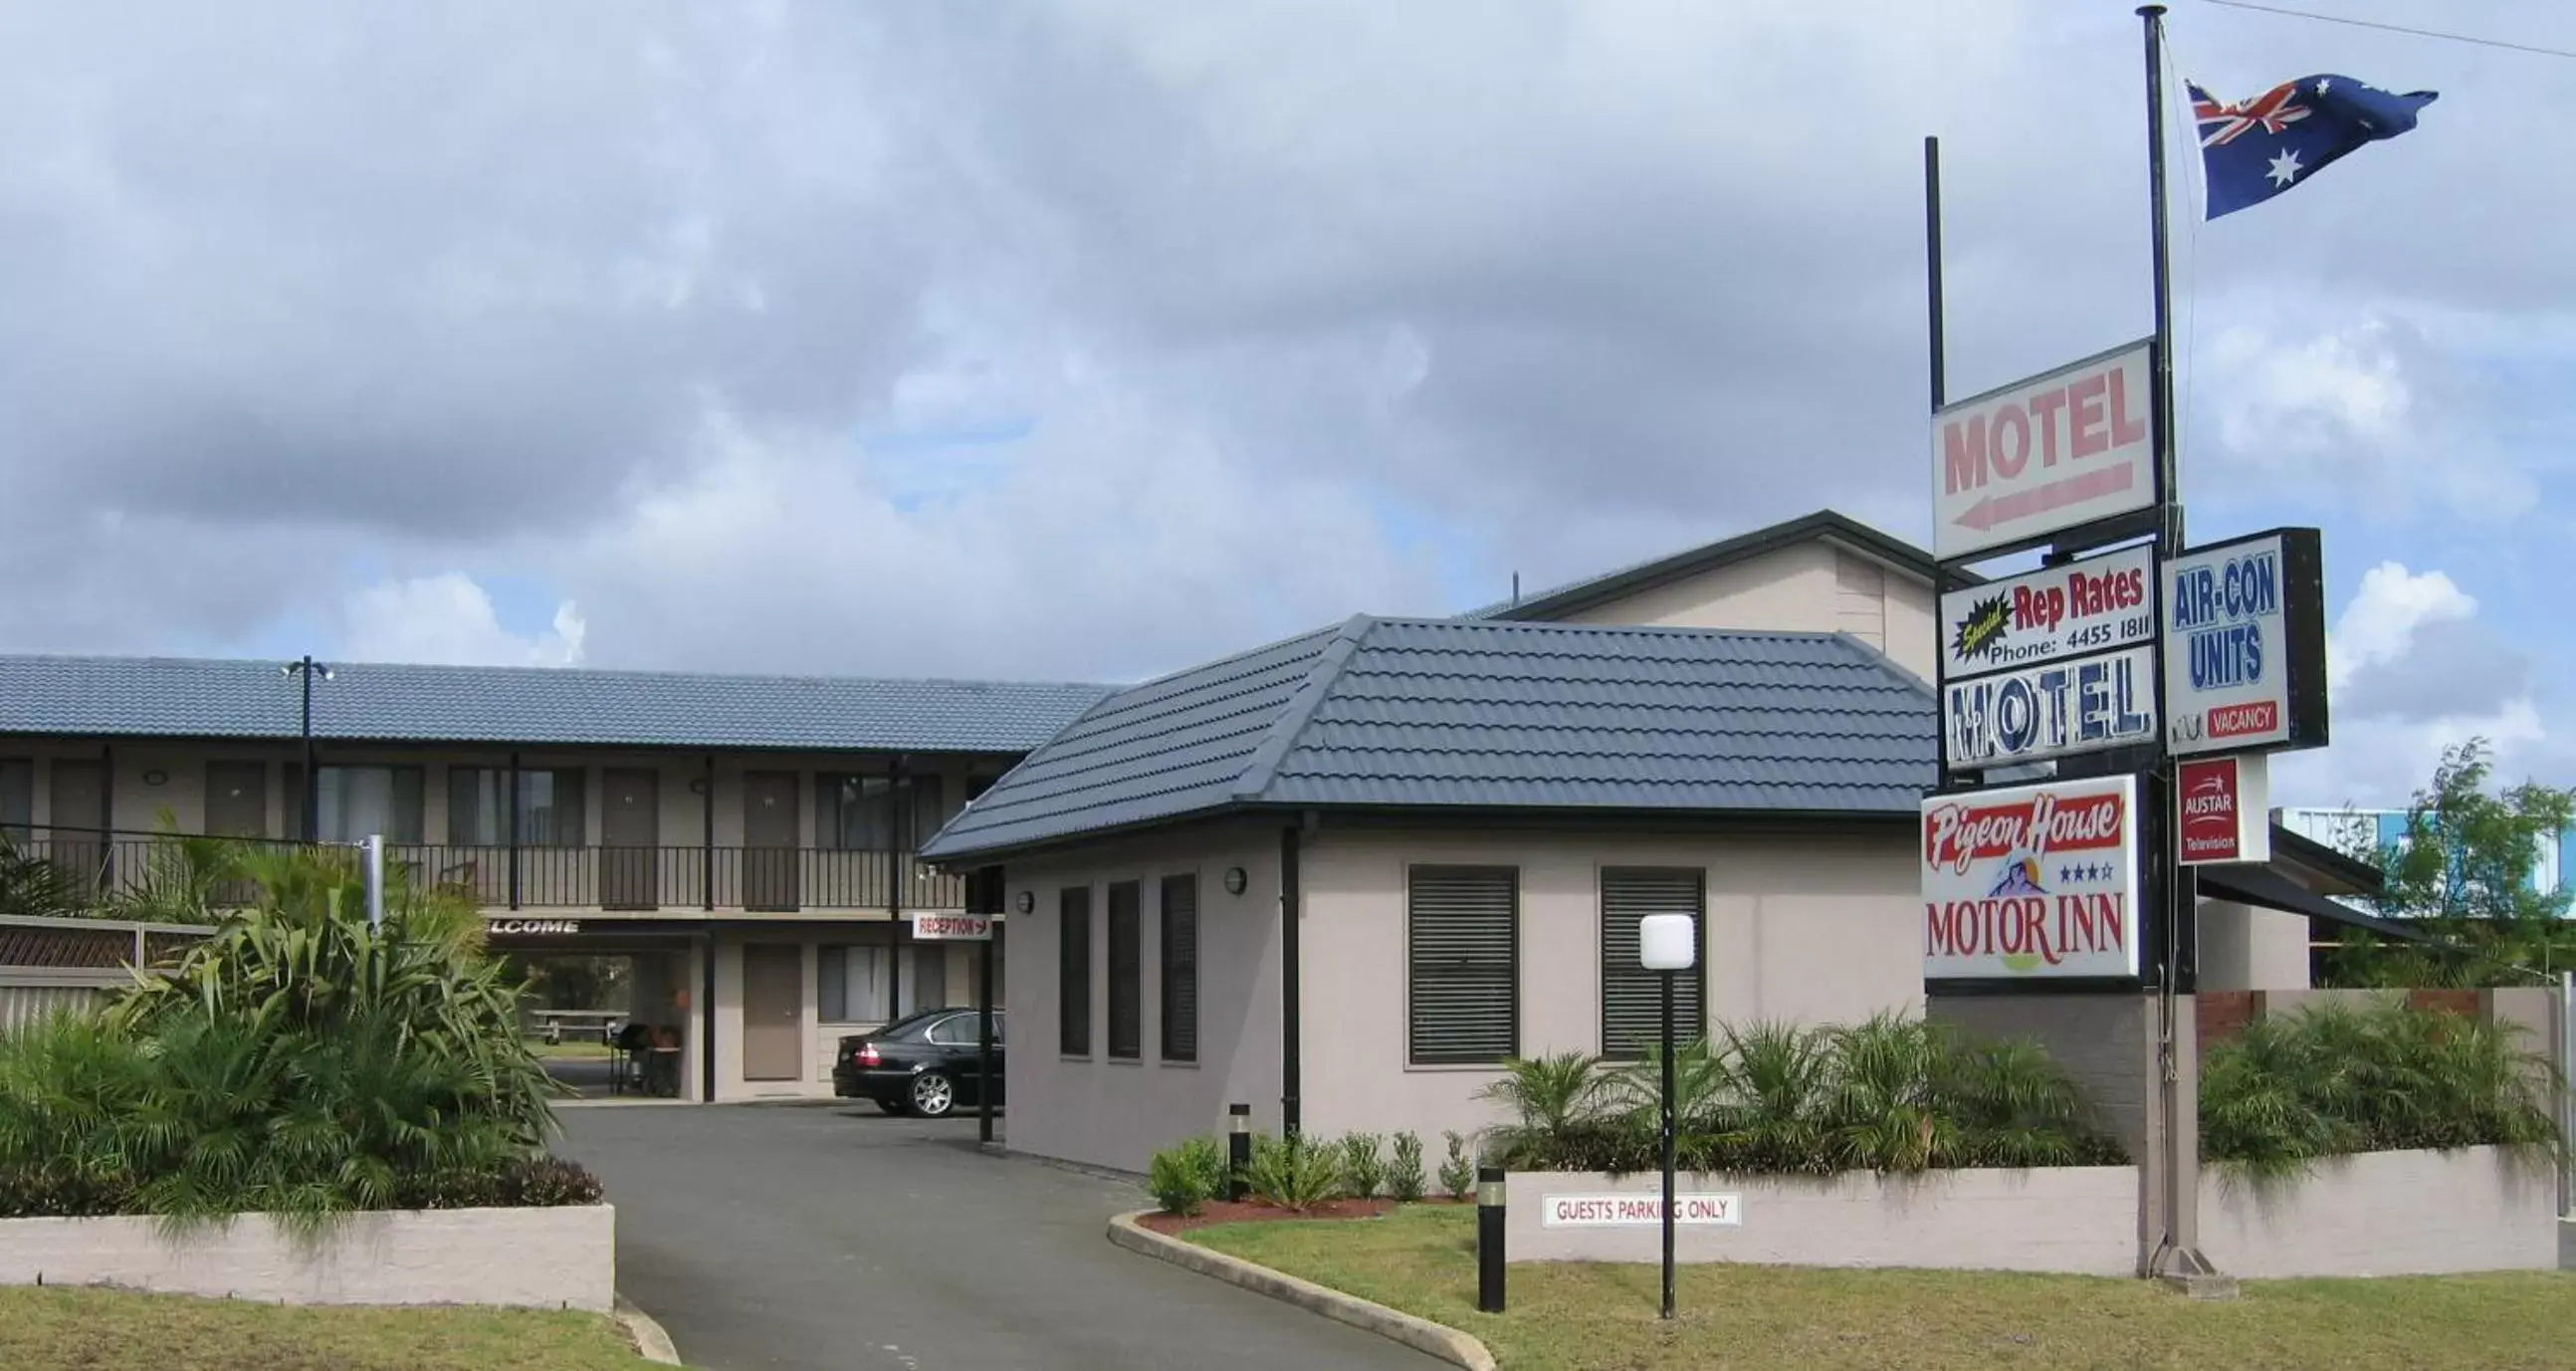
<point x="2244" y="645"/>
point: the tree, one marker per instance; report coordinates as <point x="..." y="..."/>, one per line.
<point x="2463" y="873"/>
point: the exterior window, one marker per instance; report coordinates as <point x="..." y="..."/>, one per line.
<point x="1073" y="971"/>
<point x="876" y="983"/>
<point x="1126" y="970"/>
<point x="1632" y="998"/>
<point x="17" y="798"/>
<point x="858" y="812"/>
<point x="1181" y="968"/>
<point x="354" y="801"/>
<point x="550" y="807"/>
<point x="1462" y="951"/>
<point x="924" y="796"/>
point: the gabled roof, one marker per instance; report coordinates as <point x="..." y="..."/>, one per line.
<point x="1577" y="596"/>
<point x="1439" y="715"/>
<point x="130" y="697"/>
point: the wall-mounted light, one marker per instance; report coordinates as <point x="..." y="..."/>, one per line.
<point x="698" y="785"/>
<point x="1234" y="880"/>
<point x="156" y="776"/>
<point x="1028" y="901"/>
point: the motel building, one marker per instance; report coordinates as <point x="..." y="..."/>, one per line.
<point x="1344" y="875"/>
<point x="749" y="844"/>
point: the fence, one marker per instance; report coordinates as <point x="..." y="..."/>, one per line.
<point x="51" y="965"/>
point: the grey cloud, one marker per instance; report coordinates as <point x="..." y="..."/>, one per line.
<point x="2452" y="669"/>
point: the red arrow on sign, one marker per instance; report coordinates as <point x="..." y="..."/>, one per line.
<point x="2021" y="504"/>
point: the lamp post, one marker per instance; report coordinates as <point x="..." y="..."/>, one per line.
<point x="1666" y="944"/>
<point x="307" y="668"/>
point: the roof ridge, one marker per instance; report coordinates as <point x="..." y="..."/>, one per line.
<point x="652" y="673"/>
<point x="1263" y="765"/>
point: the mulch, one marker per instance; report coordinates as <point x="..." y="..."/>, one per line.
<point x="1252" y="1211"/>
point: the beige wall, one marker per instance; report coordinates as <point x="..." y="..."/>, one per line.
<point x="2077" y="1219"/>
<point x="1813" y="587"/>
<point x="1116" y="1113"/>
<point x="2245" y="948"/>
<point x="1815" y="929"/>
<point x="2385" y="1214"/>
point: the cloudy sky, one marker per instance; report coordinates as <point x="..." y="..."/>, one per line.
<point x="1087" y="341"/>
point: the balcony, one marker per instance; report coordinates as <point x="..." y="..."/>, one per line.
<point x="761" y="880"/>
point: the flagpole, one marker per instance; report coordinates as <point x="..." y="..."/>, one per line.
<point x="2178" y="1256"/>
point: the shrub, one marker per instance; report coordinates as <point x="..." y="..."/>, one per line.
<point x="526" y="1183"/>
<point x="1363" y="1168"/>
<point x="1182" y="1178"/>
<point x="1293" y="1172"/>
<point x="296" y="1061"/>
<point x="2329" y="1079"/>
<point x="1458" y="1173"/>
<point x="1892" y="1094"/>
<point x="1404" y="1176"/>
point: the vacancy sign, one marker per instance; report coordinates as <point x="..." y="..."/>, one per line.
<point x="938" y="928"/>
<point x="2224" y="808"/>
<point x="2050" y="615"/>
<point x="2013" y="466"/>
<point x="2245" y="645"/>
<point x="2035" y="882"/>
<point x="1641" y="1211"/>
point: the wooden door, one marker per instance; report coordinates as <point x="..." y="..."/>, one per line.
<point x="630" y="838"/>
<point x="773" y="1012"/>
<point x="79" y="840"/>
<point x="771" y="836"/>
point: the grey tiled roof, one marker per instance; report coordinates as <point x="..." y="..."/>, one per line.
<point x="190" y="697"/>
<point x="1415" y="713"/>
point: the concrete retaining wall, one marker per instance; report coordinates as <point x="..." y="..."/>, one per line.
<point x="2385" y="1214"/>
<point x="2072" y="1219"/>
<point x="541" y="1258"/>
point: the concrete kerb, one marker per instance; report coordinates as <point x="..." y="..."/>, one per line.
<point x="651" y="1342"/>
<point x="1422" y="1335"/>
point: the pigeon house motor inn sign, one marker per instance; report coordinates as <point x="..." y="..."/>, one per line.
<point x="2036" y="881"/>
<point x="2071" y="447"/>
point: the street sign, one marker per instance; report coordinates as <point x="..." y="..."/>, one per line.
<point x="952" y="928"/>
<point x="2072" y="447"/>
<point x="2050" y="615"/>
<point x="2056" y="709"/>
<point x="2032" y="882"/>
<point x="2245" y="645"/>
<point x="1638" y="1211"/>
<point x="2224" y="808"/>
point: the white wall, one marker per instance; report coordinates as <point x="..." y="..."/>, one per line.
<point x="1116" y="1113"/>
<point x="2244" y="948"/>
<point x="1817" y="929"/>
<point x="1812" y="587"/>
<point x="2385" y="1214"/>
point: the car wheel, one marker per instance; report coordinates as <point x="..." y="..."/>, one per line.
<point x="932" y="1095"/>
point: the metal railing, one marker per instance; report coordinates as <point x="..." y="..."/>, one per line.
<point x="98" y="864"/>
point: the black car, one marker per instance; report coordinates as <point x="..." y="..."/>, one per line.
<point x="923" y="1064"/>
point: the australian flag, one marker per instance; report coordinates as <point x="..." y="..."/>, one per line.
<point x="2255" y="149"/>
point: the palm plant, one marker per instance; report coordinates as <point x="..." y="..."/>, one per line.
<point x="1552" y="1099"/>
<point x="184" y="879"/>
<point x="1884" y="1111"/>
<point x="32" y="886"/>
<point x="1768" y="1113"/>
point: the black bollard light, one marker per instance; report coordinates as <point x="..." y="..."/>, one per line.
<point x="1489" y="1239"/>
<point x="1238" y="1148"/>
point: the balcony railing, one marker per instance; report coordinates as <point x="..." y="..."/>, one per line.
<point x="753" y="879"/>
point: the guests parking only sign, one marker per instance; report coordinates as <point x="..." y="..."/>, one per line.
<point x="2244" y="645"/>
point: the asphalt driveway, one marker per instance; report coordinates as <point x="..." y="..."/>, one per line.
<point x="835" y="1238"/>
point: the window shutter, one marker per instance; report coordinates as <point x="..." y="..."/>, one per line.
<point x="1632" y="1003"/>
<point x="1126" y="970"/>
<point x="1181" y="968"/>
<point x="1462" y="934"/>
<point x="1073" y="971"/>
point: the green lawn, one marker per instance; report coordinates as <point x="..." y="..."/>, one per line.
<point x="1602" y="1318"/>
<point x="572" y="1049"/>
<point x="104" y="1330"/>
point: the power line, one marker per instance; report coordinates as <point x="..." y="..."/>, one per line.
<point x="2533" y="49"/>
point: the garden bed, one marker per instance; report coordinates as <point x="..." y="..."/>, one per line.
<point x="1253" y="1211"/>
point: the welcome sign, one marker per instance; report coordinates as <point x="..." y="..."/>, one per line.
<point x="2032" y="882"/>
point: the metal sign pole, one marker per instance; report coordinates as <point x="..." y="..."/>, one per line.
<point x="375" y="861"/>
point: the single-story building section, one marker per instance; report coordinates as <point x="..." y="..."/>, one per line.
<point x="1462" y="822"/>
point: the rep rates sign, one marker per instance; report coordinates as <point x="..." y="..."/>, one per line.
<point x="2032" y="882"/>
<point x="2013" y="466"/>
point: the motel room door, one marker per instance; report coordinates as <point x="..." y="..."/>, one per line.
<point x="771" y="835"/>
<point x="773" y="1012"/>
<point x="630" y="836"/>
